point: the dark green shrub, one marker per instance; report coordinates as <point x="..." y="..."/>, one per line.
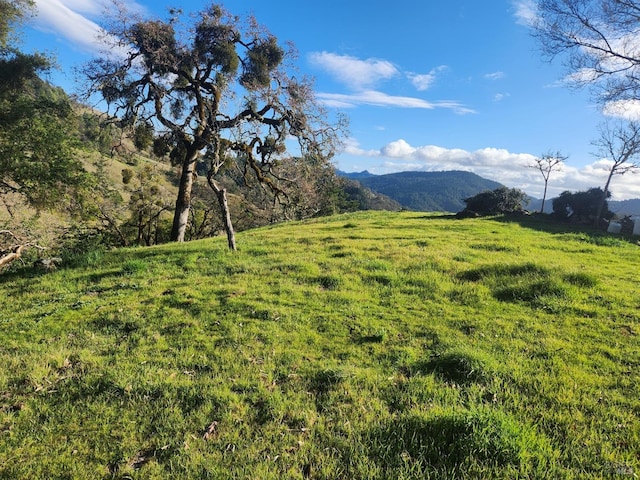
<point x="499" y="201"/>
<point x="581" y="206"/>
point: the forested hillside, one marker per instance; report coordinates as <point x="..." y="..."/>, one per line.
<point x="427" y="191"/>
<point x="123" y="192"/>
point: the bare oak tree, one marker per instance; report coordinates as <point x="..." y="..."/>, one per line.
<point x="620" y="144"/>
<point x="217" y="90"/>
<point x="598" y="40"/>
<point x="545" y="164"/>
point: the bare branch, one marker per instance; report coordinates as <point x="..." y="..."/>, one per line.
<point x="598" y="41"/>
<point x="620" y="144"/>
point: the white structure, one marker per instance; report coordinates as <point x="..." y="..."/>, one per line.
<point x="614" y="227"/>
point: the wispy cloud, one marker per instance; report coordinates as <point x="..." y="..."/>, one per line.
<point x="494" y="75"/>
<point x="67" y="20"/>
<point x="361" y="76"/>
<point x="510" y="169"/>
<point x="71" y="20"/>
<point x="380" y="99"/>
<point x="526" y="11"/>
<point x="354" y="72"/>
<point x="424" y="81"/>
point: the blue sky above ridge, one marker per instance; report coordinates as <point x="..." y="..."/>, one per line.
<point x="431" y="86"/>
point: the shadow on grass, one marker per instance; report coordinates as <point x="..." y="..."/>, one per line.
<point x="457" y="366"/>
<point x="586" y="233"/>
<point x="546" y="223"/>
<point x="458" y="441"/>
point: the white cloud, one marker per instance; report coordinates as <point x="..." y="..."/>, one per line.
<point x="498" y="97"/>
<point x="510" y="169"/>
<point x="360" y="76"/>
<point x="71" y="20"/>
<point x="352" y="147"/>
<point x="85" y="6"/>
<point x="494" y="76"/>
<point x="373" y="97"/>
<point x="354" y="72"/>
<point x="626" y="109"/>
<point x="581" y="76"/>
<point x="424" y="81"/>
<point x="380" y="99"/>
<point x="526" y="11"/>
<point x="60" y="18"/>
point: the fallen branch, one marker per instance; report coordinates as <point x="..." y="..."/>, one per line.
<point x="14" y="254"/>
<point x="10" y="233"/>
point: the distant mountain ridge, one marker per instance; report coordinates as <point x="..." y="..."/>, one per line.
<point x="445" y="191"/>
<point x="625" y="207"/>
<point x="426" y="191"/>
<point x="357" y="175"/>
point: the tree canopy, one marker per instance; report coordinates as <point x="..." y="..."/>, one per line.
<point x="620" y="145"/>
<point x="36" y="159"/>
<point x="598" y="41"/>
<point x="217" y="89"/>
<point x="499" y="201"/>
<point x="581" y="207"/>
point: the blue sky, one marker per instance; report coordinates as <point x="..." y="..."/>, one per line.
<point x="427" y="85"/>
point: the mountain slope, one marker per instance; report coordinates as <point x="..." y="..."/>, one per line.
<point x="427" y="191"/>
<point x="625" y="207"/>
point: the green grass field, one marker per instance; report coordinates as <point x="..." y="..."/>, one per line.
<point x="361" y="346"/>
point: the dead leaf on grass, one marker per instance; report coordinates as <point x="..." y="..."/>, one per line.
<point x="211" y="431"/>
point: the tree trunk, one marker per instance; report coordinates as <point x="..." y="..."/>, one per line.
<point x="544" y="197"/>
<point x="183" y="203"/>
<point x="605" y="193"/>
<point x="221" y="193"/>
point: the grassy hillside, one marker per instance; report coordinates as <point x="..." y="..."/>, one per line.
<point x="369" y="345"/>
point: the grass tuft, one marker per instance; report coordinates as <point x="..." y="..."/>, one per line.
<point x="532" y="292"/>
<point x="328" y="282"/>
<point x="458" y="366"/>
<point x="462" y="440"/>
<point x="580" y="279"/>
